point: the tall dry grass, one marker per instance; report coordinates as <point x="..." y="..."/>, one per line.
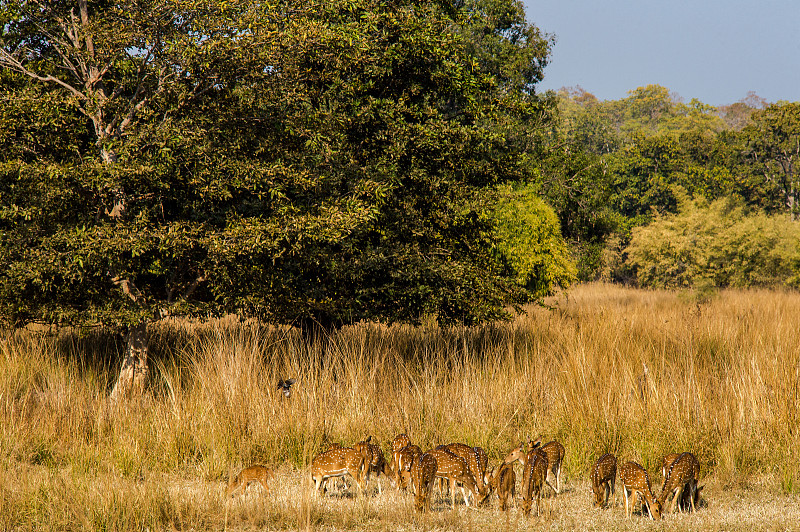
<point x="722" y="380"/>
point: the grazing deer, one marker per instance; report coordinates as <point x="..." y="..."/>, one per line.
<point x="455" y="470"/>
<point x="634" y="480"/>
<point x="404" y="459"/>
<point x="555" y="456"/>
<point x="473" y="463"/>
<point x="256" y="473"/>
<point x="423" y="472"/>
<point x="534" y="473"/>
<point x="680" y="475"/>
<point x="603" y="477"/>
<point x="339" y="462"/>
<point x="503" y="480"/>
<point x="666" y="462"/>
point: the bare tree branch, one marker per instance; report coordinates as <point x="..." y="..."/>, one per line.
<point x="9" y="61"/>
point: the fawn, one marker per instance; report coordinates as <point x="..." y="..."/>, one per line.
<point x="338" y="462"/>
<point x="681" y="478"/>
<point x="521" y="452"/>
<point x="255" y="473"/>
<point x="503" y="480"/>
<point x="455" y="470"/>
<point x="603" y="477"/>
<point x="636" y="480"/>
<point x="423" y="472"/>
<point x="534" y="474"/>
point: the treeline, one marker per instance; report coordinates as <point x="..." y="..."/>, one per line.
<point x="657" y="192"/>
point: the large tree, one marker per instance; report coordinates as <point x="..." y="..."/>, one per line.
<point x="301" y="162"/>
<point x="772" y="146"/>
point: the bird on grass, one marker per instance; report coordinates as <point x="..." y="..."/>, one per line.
<point x="286" y="386"/>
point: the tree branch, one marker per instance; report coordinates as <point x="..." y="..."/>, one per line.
<point x="9" y="61"/>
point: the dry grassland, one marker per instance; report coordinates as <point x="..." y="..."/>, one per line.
<point x="722" y="381"/>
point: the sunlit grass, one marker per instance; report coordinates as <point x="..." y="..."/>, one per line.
<point x="722" y="380"/>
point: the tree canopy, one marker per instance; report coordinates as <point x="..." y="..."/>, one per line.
<point x="299" y="162"/>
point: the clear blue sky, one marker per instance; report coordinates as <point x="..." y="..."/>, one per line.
<point x="712" y="50"/>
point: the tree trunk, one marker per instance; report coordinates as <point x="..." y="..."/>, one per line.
<point x="130" y="382"/>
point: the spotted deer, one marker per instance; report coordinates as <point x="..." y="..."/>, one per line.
<point x="503" y="480"/>
<point x="400" y="441"/>
<point x="483" y="462"/>
<point x="338" y="462"/>
<point x="255" y="473"/>
<point x="603" y="477"/>
<point x="534" y="474"/>
<point x="634" y="480"/>
<point x="455" y="470"/>
<point x="681" y="476"/>
<point x="521" y="453"/>
<point x="376" y="463"/>
<point x="666" y="462"/>
<point x="473" y="463"/>
<point x="423" y="472"/>
<point x="555" y="456"/>
<point x="403" y="460"/>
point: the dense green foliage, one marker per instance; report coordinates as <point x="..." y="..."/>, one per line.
<point x="299" y="162"/>
<point x="718" y="244"/>
<point x="529" y="238"/>
<point x="634" y="161"/>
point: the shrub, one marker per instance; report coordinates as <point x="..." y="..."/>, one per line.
<point x="718" y="244"/>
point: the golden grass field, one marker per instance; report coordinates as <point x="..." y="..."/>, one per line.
<point x="722" y="381"/>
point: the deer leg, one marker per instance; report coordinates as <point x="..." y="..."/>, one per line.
<point x="555" y="492"/>
<point x="674" y="501"/>
<point x="625" y="492"/>
<point x="464" y="494"/>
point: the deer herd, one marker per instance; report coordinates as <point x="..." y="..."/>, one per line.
<point x="457" y="465"/>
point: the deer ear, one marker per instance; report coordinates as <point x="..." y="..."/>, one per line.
<point x="289" y="382"/>
<point x="280" y="383"/>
